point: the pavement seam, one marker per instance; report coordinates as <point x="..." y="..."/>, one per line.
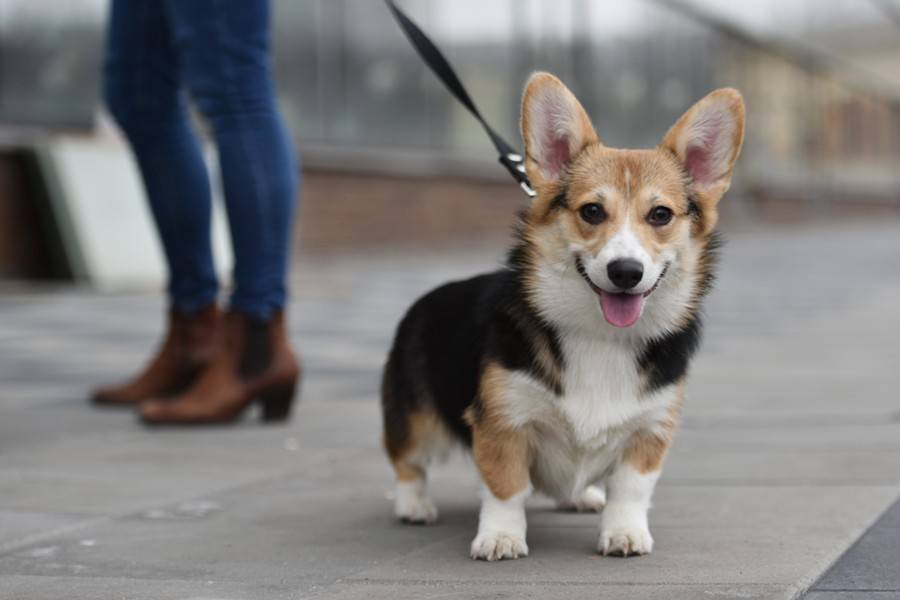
<point x="808" y="582"/>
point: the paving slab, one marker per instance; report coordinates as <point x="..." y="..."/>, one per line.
<point x="867" y="595"/>
<point x="373" y="589"/>
<point x="54" y="587"/>
<point x="788" y="453"/>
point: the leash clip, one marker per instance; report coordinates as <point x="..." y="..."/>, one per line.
<point x="516" y="167"/>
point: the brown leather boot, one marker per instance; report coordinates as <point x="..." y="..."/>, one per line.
<point x="188" y="348"/>
<point x="255" y="364"/>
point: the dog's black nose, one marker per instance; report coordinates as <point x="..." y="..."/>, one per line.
<point x="625" y="273"/>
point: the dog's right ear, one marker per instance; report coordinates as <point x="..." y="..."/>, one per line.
<point x="555" y="129"/>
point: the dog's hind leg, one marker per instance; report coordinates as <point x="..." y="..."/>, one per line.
<point x="412" y="441"/>
<point x="425" y="440"/>
<point x="411" y="502"/>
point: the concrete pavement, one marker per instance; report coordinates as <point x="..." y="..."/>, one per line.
<point x="789" y="451"/>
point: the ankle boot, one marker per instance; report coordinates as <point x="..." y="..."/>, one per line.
<point x="256" y="364"/>
<point x="187" y="349"/>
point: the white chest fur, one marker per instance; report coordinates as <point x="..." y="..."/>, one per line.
<point x="602" y="388"/>
<point x="577" y="436"/>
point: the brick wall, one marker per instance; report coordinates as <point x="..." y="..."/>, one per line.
<point x="342" y="212"/>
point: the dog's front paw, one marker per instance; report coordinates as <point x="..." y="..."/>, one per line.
<point x="625" y="543"/>
<point x="498" y="545"/>
<point x="624" y="534"/>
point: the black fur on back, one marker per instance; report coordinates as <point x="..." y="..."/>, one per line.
<point x="449" y="335"/>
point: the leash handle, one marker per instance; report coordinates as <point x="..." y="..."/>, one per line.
<point x="509" y="158"/>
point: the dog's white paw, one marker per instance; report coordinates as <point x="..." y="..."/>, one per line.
<point x="498" y="545"/>
<point x="625" y="540"/>
<point x="592" y="499"/>
<point x="624" y="530"/>
<point x="411" y="505"/>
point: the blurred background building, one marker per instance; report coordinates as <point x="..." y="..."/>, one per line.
<point x="390" y="158"/>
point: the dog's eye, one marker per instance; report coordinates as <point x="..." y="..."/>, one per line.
<point x="659" y="216"/>
<point x="592" y="213"/>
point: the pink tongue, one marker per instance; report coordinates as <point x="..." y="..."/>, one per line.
<point x="621" y="310"/>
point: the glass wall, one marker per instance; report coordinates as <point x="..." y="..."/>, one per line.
<point x="49" y="57"/>
<point x="821" y="80"/>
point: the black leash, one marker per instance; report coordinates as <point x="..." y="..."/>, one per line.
<point x="509" y="158"/>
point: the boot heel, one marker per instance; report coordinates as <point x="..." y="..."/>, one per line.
<point x="276" y="404"/>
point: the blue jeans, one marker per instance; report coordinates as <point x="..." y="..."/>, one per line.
<point x="218" y="52"/>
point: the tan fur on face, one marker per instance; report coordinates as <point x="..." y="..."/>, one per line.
<point x="500" y="451"/>
<point x="628" y="184"/>
<point x="646" y="450"/>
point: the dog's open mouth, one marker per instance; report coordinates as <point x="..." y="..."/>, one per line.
<point x="620" y="308"/>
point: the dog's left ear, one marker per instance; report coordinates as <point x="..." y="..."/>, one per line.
<point x="707" y="140"/>
<point x="555" y="128"/>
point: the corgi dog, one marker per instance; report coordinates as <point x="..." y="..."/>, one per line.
<point x="564" y="372"/>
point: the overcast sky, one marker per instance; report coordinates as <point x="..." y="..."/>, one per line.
<point x="464" y="20"/>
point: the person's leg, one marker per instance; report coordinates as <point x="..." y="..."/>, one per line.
<point x="224" y="46"/>
<point x="142" y="91"/>
<point x="224" y="49"/>
<point x="141" y="87"/>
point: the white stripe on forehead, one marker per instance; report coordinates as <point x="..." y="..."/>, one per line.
<point x="625" y="244"/>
